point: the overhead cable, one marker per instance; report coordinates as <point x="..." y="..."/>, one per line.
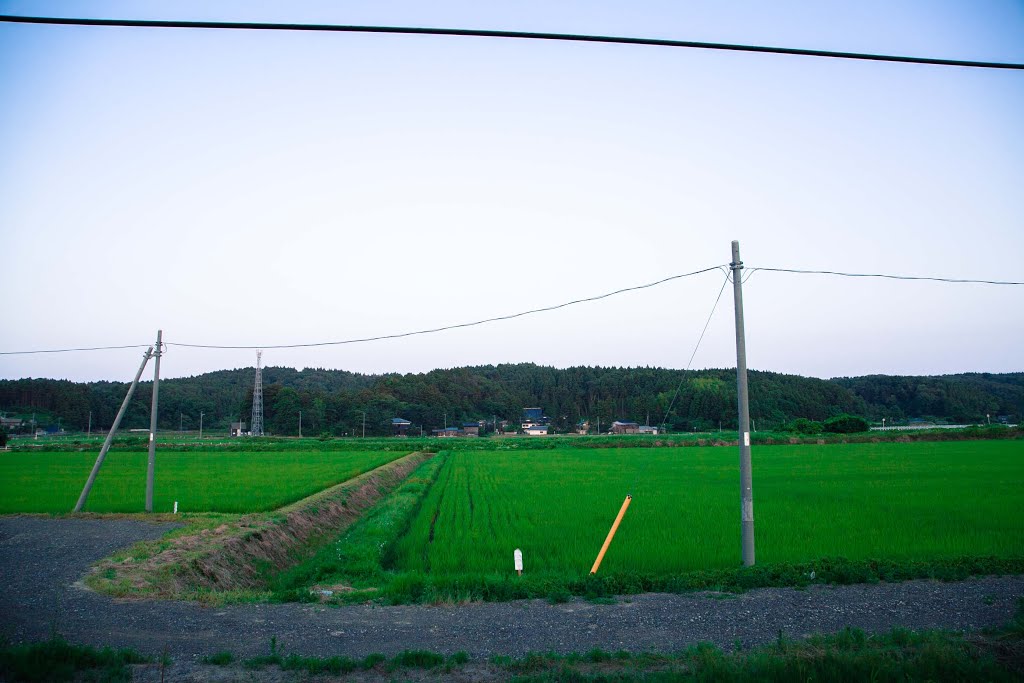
<point x="695" y="347"/>
<point x="456" y="326"/>
<point x="88" y="348"/>
<point x="479" y="33"/>
<point x="885" y="276"/>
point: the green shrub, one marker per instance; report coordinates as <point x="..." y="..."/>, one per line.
<point x="846" y="424"/>
<point x="802" y="425"/>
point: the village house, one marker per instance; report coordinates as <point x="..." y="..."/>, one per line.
<point x="399" y="426"/>
<point x="619" y="427"/>
<point x="536" y="430"/>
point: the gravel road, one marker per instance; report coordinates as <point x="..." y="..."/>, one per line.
<point x="43" y="559"/>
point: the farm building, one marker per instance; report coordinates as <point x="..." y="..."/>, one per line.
<point x="399" y="426"/>
<point x="536" y="430"/>
<point x="647" y="429"/>
<point x="583" y="426"/>
<point x="237" y="429"/>
<point x="448" y="432"/>
<point x="471" y="428"/>
<point x="619" y="427"/>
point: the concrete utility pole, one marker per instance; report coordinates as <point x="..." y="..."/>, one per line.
<point x="151" y="464"/>
<point x="300" y="424"/>
<point x="110" y="435"/>
<point x="90" y="423"/>
<point x="364" y="424"/>
<point x="200" y="425"/>
<point x="746" y="488"/>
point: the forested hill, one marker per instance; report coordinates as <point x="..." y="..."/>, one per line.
<point x="333" y="401"/>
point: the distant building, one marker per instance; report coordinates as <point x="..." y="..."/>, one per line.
<point x="11" y="423"/>
<point x="238" y="429"/>
<point x="583" y="427"/>
<point x="448" y="432"/>
<point x="647" y="429"/>
<point x="471" y="428"/>
<point x="536" y="430"/>
<point x="619" y="427"/>
<point x="399" y="426"/>
<point x="533" y="417"/>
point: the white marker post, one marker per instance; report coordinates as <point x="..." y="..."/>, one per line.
<point x="518" y="557"/>
<point x="175" y="507"/>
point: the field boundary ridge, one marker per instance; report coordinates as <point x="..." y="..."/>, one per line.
<point x="243" y="553"/>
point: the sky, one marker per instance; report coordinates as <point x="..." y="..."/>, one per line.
<point x="269" y="188"/>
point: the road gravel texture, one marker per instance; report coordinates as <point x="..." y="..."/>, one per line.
<point x="42" y="561"/>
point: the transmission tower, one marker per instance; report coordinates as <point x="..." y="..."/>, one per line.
<point x="256" y="428"/>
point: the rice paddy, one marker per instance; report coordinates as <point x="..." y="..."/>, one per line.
<point x="925" y="501"/>
<point x="231" y="482"/>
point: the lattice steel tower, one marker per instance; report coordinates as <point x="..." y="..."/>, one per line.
<point x="256" y="428"/>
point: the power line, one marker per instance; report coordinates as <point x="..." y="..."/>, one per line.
<point x="456" y="326"/>
<point x="532" y="311"/>
<point x="885" y="276"/>
<point x="88" y="348"/>
<point x="478" y="33"/>
<point x="696" y="346"/>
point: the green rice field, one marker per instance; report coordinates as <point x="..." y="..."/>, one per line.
<point x="200" y="482"/>
<point x="913" y="501"/>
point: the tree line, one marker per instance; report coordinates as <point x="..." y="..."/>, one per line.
<point x="336" y="402"/>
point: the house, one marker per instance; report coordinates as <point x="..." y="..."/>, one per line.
<point x="399" y="426"/>
<point x="536" y="430"/>
<point x="647" y="429"/>
<point x="619" y="427"/>
<point x="583" y="427"/>
<point x="448" y="432"/>
<point x="11" y="423"/>
<point x="534" y="417"/>
<point x="237" y="429"/>
<point x="471" y="428"/>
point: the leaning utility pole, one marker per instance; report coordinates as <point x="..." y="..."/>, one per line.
<point x="746" y="488"/>
<point x="110" y="436"/>
<point x="151" y="464"/>
<point x="256" y="426"/>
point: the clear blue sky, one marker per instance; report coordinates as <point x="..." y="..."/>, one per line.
<point x="273" y="188"/>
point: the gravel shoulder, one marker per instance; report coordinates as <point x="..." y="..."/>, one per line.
<point x="43" y="559"/>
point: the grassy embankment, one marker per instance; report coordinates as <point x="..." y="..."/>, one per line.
<point x="173" y="441"/>
<point x="841" y="514"/>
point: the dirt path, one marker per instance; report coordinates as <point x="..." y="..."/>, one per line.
<point x="41" y="560"/>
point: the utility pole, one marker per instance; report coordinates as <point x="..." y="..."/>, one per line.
<point x="90" y="423"/>
<point x="200" y="425"/>
<point x="300" y="424"/>
<point x="110" y="436"/>
<point x="181" y="422"/>
<point x="151" y="464"/>
<point x="743" y="399"/>
<point x="364" y="423"/>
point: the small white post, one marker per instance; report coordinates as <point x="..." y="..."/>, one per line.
<point x="517" y="556"/>
<point x="175" y="507"/>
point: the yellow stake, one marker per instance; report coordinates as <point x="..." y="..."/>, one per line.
<point x="611" y="534"/>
